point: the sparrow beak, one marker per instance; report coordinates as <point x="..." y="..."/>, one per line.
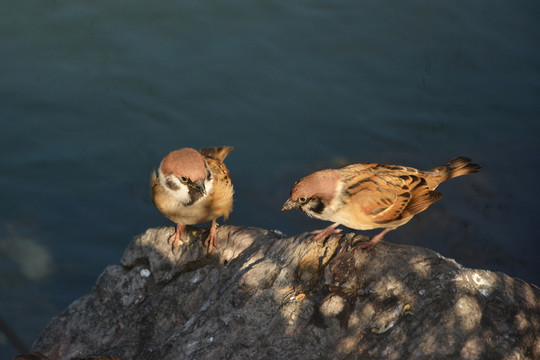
<point x="199" y="186"/>
<point x="289" y="205"/>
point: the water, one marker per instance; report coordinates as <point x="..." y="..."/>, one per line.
<point x="92" y="95"/>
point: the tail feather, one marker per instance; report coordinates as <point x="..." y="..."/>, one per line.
<point x="219" y="153"/>
<point x="456" y="167"/>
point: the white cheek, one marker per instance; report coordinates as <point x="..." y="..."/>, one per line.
<point x="327" y="213"/>
<point x="307" y="209"/>
<point x="181" y="195"/>
<point x="331" y="208"/>
<point x="336" y="202"/>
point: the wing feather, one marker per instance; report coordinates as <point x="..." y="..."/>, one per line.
<point x="219" y="153"/>
<point x="223" y="190"/>
<point x="387" y="193"/>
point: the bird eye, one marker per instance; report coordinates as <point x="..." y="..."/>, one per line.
<point x="183" y="179"/>
<point x="302" y="199"/>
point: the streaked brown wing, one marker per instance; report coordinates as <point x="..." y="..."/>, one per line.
<point x="222" y="199"/>
<point x="219" y="170"/>
<point x="421" y="196"/>
<point x="390" y="194"/>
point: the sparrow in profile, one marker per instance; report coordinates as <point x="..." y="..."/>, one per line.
<point x="370" y="196"/>
<point x="193" y="187"/>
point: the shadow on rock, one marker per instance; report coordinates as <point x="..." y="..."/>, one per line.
<point x="261" y="295"/>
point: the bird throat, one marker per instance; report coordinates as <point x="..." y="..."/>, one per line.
<point x="194" y="195"/>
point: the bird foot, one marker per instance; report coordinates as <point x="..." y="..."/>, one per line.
<point x="324" y="233"/>
<point x="211" y="241"/>
<point x="175" y="239"/>
<point x="370" y="245"/>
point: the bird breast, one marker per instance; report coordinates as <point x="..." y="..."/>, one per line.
<point x="173" y="203"/>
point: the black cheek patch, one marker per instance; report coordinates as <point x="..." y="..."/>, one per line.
<point x="317" y="206"/>
<point x="171" y="185"/>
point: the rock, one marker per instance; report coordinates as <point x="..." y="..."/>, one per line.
<point x="263" y="296"/>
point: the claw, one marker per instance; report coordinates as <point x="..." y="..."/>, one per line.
<point x="370" y="245"/>
<point x="176" y="238"/>
<point x="324" y="233"/>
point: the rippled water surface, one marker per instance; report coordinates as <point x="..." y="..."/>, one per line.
<point x="92" y="95"/>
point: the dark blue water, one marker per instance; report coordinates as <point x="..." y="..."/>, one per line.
<point x="92" y="95"/>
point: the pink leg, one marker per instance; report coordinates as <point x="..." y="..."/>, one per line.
<point x="211" y="240"/>
<point x="174" y="239"/>
<point x="369" y="245"/>
<point x="324" y="233"/>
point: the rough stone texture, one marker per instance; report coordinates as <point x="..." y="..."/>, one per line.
<point x="263" y="296"/>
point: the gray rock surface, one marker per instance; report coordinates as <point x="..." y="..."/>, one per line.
<point x="260" y="295"/>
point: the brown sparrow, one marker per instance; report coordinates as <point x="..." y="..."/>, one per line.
<point x="370" y="196"/>
<point x="193" y="187"/>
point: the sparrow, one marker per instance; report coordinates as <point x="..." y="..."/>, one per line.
<point x="193" y="187"/>
<point x="369" y="196"/>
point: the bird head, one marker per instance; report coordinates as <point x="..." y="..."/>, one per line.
<point x="183" y="173"/>
<point x="314" y="192"/>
